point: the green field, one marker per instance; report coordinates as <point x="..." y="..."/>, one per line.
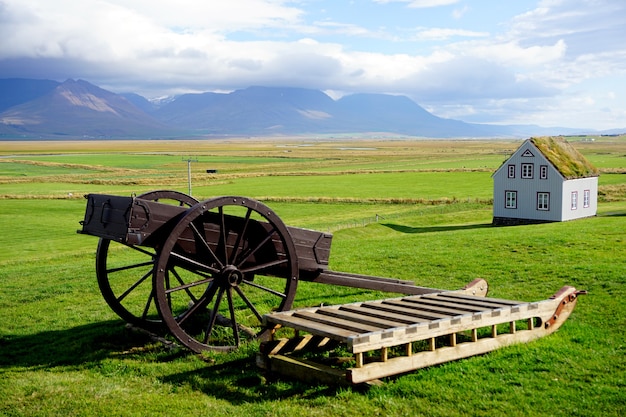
<point x="416" y="210"/>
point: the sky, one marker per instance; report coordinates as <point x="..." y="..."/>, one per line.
<point x="543" y="62"/>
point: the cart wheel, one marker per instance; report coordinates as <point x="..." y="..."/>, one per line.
<point x="124" y="272"/>
<point x="227" y="262"/>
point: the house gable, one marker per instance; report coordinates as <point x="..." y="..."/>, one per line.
<point x="526" y="153"/>
<point x="559" y="153"/>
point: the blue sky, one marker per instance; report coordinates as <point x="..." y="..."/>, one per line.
<point x="544" y="62"/>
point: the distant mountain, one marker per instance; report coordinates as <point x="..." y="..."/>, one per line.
<point x="140" y="102"/>
<point x="253" y="111"/>
<point x="16" y="91"/>
<point x="399" y="114"/>
<point x="78" y="109"/>
<point x="266" y="111"/>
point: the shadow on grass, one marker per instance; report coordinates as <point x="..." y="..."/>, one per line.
<point x="430" y="229"/>
<point x="232" y="377"/>
<point x="76" y="346"/>
<point x="241" y="382"/>
<point x="613" y="214"/>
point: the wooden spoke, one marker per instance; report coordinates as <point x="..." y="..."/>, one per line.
<point x="235" y="262"/>
<point x="123" y="272"/>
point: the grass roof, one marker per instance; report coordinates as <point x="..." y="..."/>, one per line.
<point x="565" y="158"/>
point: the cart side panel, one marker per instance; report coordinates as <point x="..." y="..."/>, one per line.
<point x="312" y="247"/>
<point x="128" y="220"/>
<point x="107" y="216"/>
<point x="151" y="222"/>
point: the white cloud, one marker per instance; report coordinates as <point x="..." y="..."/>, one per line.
<point x="213" y="16"/>
<point x="348" y="29"/>
<point x="421" y="3"/>
<point x="512" y="54"/>
<point x="447" y="33"/>
<point x="47" y="28"/>
<point x="460" y="12"/>
<point x="431" y="3"/>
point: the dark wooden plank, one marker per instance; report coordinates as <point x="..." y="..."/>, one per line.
<point x="364" y="311"/>
<point x="409" y="311"/>
<point x="336" y="322"/>
<point x="312" y="248"/>
<point x="460" y="308"/>
<point x="481" y="304"/>
<point x="368" y="282"/>
<point x="379" y="322"/>
<point x="430" y="308"/>
<point x="488" y="300"/>
<point x="374" y="278"/>
<point x="312" y="327"/>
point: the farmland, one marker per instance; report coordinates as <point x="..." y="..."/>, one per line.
<point x="410" y="209"/>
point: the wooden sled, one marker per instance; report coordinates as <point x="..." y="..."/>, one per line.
<point x="398" y="335"/>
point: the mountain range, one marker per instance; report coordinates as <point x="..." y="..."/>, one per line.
<point x="45" y="109"/>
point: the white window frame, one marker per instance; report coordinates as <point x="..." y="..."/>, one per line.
<point x="574" y="200"/>
<point x="511" y="172"/>
<point x="527" y="171"/>
<point x="586" y="198"/>
<point x="543" y="172"/>
<point x="543" y="201"/>
<point x="510" y="199"/>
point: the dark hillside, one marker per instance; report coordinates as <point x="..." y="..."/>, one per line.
<point x="16" y="91"/>
<point x="80" y="109"/>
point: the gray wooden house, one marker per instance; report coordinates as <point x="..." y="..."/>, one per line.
<point x="545" y="180"/>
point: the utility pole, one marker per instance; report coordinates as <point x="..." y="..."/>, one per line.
<point x="189" y="161"/>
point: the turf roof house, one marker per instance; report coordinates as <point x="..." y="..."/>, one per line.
<point x="545" y="180"/>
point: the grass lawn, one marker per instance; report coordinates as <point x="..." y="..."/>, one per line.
<point x="64" y="352"/>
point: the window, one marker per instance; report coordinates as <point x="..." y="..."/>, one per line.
<point x="543" y="172"/>
<point x="586" y="198"/>
<point x="574" y="200"/>
<point x="543" y="201"/>
<point x="527" y="170"/>
<point x="510" y="199"/>
<point x="511" y="171"/>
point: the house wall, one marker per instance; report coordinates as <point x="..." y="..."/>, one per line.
<point x="527" y="188"/>
<point x="579" y="186"/>
<point x="527" y="198"/>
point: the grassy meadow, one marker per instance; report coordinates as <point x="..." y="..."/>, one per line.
<point x="410" y="209"/>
